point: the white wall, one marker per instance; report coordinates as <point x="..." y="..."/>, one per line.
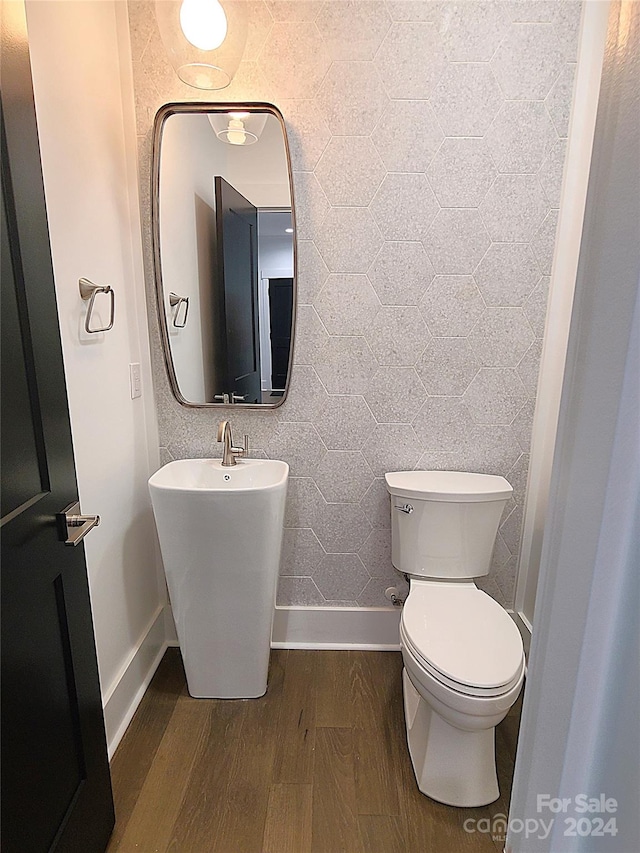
<point x="560" y="301"/>
<point x="187" y="240"/>
<point x="85" y="117"/>
<point x="579" y="730"/>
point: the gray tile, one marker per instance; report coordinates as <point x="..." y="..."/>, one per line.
<point x="299" y="445"/>
<point x="520" y="136"/>
<point x="404" y="207"/>
<point x="352" y="96"/>
<point x="373" y="593"/>
<point x="447" y="366"/>
<point x="511" y="529"/>
<point x="517" y="476"/>
<point x="312" y="272"/>
<point x="249" y="83"/>
<point x="551" y="171"/>
<point x="391" y="447"/>
<point x="376" y="555"/>
<point x="506" y="580"/>
<point x="259" y="23"/>
<point x="415" y="10"/>
<point x="466" y="99"/>
<point x="346" y="365"/>
<point x="452" y="306"/>
<point x="490" y="449"/>
<point x="398" y="335"/>
<point x="407" y="136"/>
<point x="457" y="241"/>
<point x="301" y="592"/>
<point x="395" y="394"/>
<point x="343" y="476"/>
<point x="401" y="273"/>
<point x="341" y="529"/>
<point x="294" y="59"/>
<point x="566" y="21"/>
<point x="544" y="242"/>
<point x="501" y="337"/>
<point x="165" y="456"/>
<point x="559" y="99"/>
<point x="353" y="29"/>
<point x="523" y="424"/>
<point x="345" y="423"/>
<point x="350" y="171"/>
<point x="311" y="203"/>
<point x="141" y="25"/>
<point x="514" y="208"/>
<point x="488" y="584"/>
<point x="442" y="424"/>
<point x="348" y="239"/>
<point x="347" y="304"/>
<point x="528" y="61"/>
<point x="501" y="554"/>
<point x="529" y="367"/>
<point x="471" y="32"/>
<point x="341" y="576"/>
<point x="495" y="396"/>
<point x="294" y="10"/>
<point x="307" y="133"/>
<point x="301" y="552"/>
<point x="411" y="60"/>
<point x="461" y="172"/>
<point x="311" y="335"/>
<point x="304" y="502"/>
<point x="376" y="505"/>
<point x="536" y="307"/>
<point x="507" y="274"/>
<point x="305" y="399"/>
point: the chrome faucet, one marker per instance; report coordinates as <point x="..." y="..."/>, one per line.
<point x="230" y="453"/>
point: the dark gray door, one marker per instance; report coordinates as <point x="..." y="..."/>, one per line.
<point x="56" y="789"/>
<point x="237" y="239"/>
<point x="281" y="316"/>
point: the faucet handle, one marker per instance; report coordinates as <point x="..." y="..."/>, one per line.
<point x="243" y="451"/>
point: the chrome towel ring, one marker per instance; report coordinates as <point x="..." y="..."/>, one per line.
<point x="176" y="301"/>
<point x="89" y="290"/>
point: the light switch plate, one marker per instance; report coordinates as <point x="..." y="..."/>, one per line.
<point x="135" y="381"/>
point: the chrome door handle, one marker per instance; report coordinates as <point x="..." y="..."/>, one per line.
<point x="73" y="526"/>
<point x="405" y="508"/>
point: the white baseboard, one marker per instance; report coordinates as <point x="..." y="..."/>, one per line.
<point x="375" y="628"/>
<point x="125" y="693"/>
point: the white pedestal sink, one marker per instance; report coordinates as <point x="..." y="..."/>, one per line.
<point x="220" y="533"/>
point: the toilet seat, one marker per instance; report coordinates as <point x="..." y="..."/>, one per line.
<point x="462" y="638"/>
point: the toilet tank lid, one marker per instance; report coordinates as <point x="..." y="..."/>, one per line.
<point x="448" y="486"/>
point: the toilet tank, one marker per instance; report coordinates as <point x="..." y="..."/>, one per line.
<point x="444" y="523"/>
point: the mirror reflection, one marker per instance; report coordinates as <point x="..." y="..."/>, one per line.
<point x="224" y="251"/>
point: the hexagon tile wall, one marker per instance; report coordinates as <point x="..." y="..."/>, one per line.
<point x="428" y="141"/>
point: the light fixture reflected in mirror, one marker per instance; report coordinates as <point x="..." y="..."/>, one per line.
<point x="204" y="39"/>
<point x="238" y="128"/>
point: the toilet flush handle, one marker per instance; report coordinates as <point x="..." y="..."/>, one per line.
<point x="405" y="508"/>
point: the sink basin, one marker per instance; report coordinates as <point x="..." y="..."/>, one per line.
<point x="196" y="475"/>
<point x="220" y="532"/>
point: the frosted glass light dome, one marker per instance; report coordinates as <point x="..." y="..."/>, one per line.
<point x="204" y="39"/>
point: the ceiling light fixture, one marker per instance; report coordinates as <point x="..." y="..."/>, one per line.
<point x="204" y="39"/>
<point x="238" y="128"/>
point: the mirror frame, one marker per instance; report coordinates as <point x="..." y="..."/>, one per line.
<point x="210" y="107"/>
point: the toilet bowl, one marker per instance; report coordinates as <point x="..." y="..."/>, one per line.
<point x="463" y="655"/>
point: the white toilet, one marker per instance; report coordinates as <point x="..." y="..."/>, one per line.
<point x="463" y="655"/>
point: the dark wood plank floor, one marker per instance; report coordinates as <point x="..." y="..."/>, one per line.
<point x="318" y="765"/>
